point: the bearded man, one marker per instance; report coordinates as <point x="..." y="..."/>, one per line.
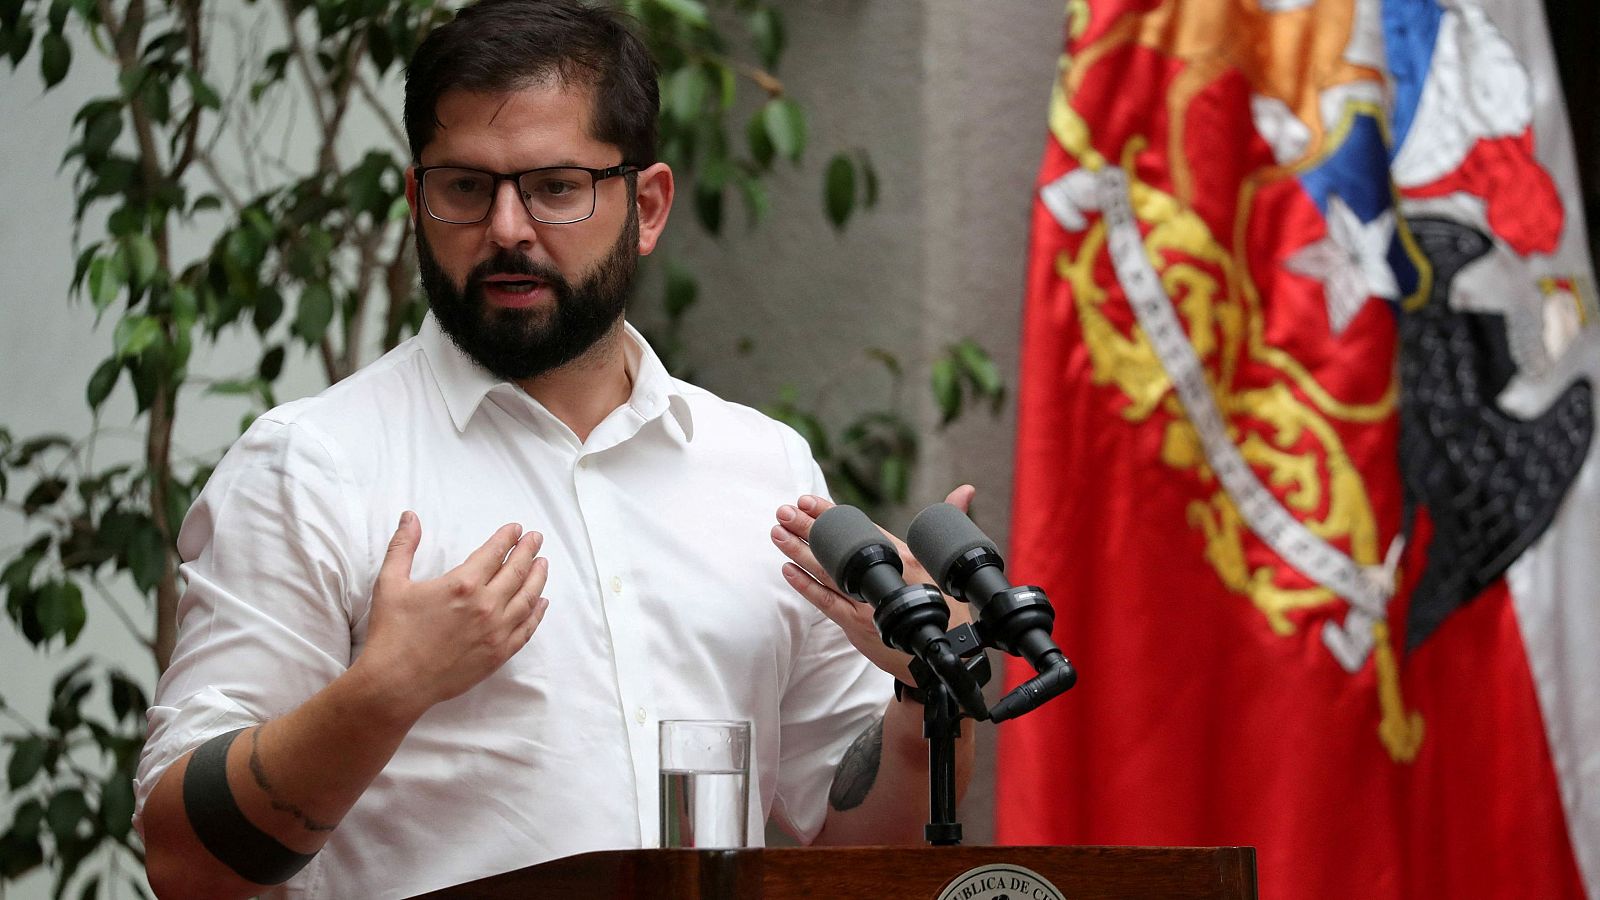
<point x="584" y="548"/>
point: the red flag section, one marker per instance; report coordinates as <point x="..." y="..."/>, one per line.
<point x="1260" y="351"/>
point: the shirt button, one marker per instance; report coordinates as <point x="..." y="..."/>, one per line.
<point x="639" y="715"/>
<point x="616" y="584"/>
<point x="583" y="463"/>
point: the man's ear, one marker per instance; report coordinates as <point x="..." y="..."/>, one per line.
<point x="653" y="195"/>
<point x="411" y="189"/>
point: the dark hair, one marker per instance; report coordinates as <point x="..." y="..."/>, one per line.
<point x="498" y="46"/>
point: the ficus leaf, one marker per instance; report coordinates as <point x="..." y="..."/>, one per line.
<point x="980" y="369"/>
<point x="708" y="207"/>
<point x="58" y="13"/>
<point x="681" y="290"/>
<point x="46" y="492"/>
<point x="27" y="758"/>
<point x="204" y="94"/>
<point x="60" y="610"/>
<point x="116" y="805"/>
<point x="766" y="27"/>
<point x="107" y="275"/>
<point x="21" y="41"/>
<point x="271" y="365"/>
<point x="728" y="84"/>
<point x="895" y="477"/>
<point x="29" y="816"/>
<point x="946" y="389"/>
<point x="67" y="808"/>
<point x="839" y="193"/>
<point x="142" y="254"/>
<point x="135" y="334"/>
<point x="785" y="124"/>
<point x="686" y="93"/>
<point x="268" y="309"/>
<point x="761" y="149"/>
<point x="185" y="305"/>
<point x="146" y="555"/>
<point x="755" y="198"/>
<point x="55" y="56"/>
<point x="103" y="381"/>
<point x="690" y="11"/>
<point x="314" y="312"/>
<point x="100" y="131"/>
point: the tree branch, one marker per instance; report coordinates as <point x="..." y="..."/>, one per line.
<point x="159" y="464"/>
<point x="298" y="51"/>
<point x="126" y="35"/>
<point x="367" y="246"/>
<point x="341" y="102"/>
<point x="209" y="165"/>
<point x="399" y="278"/>
<point x="127" y="620"/>
<point x="385" y="116"/>
<point x="330" y="360"/>
<point x="190" y="12"/>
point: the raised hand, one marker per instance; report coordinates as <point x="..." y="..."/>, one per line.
<point x="792" y="535"/>
<point x="433" y="640"/>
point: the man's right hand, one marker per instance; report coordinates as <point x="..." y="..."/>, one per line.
<point x="295" y="777"/>
<point x="433" y="640"/>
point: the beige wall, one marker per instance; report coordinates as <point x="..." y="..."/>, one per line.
<point x="949" y="97"/>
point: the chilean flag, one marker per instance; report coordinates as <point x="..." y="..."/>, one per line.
<point x="1306" y="453"/>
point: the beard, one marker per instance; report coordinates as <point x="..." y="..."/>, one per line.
<point x="516" y="344"/>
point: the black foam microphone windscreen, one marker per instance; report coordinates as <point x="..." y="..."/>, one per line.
<point x="942" y="534"/>
<point x="840" y="533"/>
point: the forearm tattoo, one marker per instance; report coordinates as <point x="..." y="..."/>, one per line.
<point x="858" y="769"/>
<point x="260" y="772"/>
<point x="221" y="825"/>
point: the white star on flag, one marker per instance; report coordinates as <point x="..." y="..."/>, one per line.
<point x="1351" y="262"/>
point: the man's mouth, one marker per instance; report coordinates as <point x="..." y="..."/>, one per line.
<point x="514" y="290"/>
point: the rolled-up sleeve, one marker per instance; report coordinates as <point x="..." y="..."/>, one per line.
<point x="833" y="693"/>
<point x="265" y="619"/>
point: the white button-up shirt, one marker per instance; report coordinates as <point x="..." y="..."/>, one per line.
<point x="666" y="602"/>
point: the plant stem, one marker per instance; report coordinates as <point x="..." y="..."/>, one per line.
<point x="127" y="620"/>
<point x="157" y="459"/>
<point x="385" y="116"/>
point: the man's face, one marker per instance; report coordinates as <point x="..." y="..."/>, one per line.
<point x="518" y="296"/>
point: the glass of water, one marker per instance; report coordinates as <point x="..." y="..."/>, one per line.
<point x="705" y="783"/>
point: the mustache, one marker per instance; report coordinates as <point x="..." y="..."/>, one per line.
<point x="507" y="262"/>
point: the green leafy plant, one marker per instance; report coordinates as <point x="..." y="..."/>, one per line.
<point x="868" y="459"/>
<point x="306" y="249"/>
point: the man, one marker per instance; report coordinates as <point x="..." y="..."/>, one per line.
<point x="360" y="709"/>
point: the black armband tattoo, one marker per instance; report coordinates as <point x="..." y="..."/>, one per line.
<point x="222" y="827"/>
<point x="858" y="769"/>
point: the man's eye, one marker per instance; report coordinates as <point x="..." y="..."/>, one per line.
<point x="466" y="185"/>
<point x="555" y="188"/>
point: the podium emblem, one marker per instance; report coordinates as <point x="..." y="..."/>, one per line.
<point x="1000" y="881"/>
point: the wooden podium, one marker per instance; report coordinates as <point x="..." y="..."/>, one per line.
<point x="878" y="873"/>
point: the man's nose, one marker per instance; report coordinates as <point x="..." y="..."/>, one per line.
<point x="510" y="225"/>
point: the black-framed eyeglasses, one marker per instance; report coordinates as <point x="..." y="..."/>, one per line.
<point x="553" y="195"/>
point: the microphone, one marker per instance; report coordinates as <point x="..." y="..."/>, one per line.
<point x="911" y="618"/>
<point x="1016" y="619"/>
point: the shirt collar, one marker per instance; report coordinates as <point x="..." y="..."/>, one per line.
<point x="463" y="383"/>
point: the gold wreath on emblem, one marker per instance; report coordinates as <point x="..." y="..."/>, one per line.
<point x="1286" y="429"/>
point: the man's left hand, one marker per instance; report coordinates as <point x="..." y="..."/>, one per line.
<point x="792" y="535"/>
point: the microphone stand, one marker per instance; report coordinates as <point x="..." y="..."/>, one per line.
<point x="942" y="713"/>
<point x="941" y="725"/>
